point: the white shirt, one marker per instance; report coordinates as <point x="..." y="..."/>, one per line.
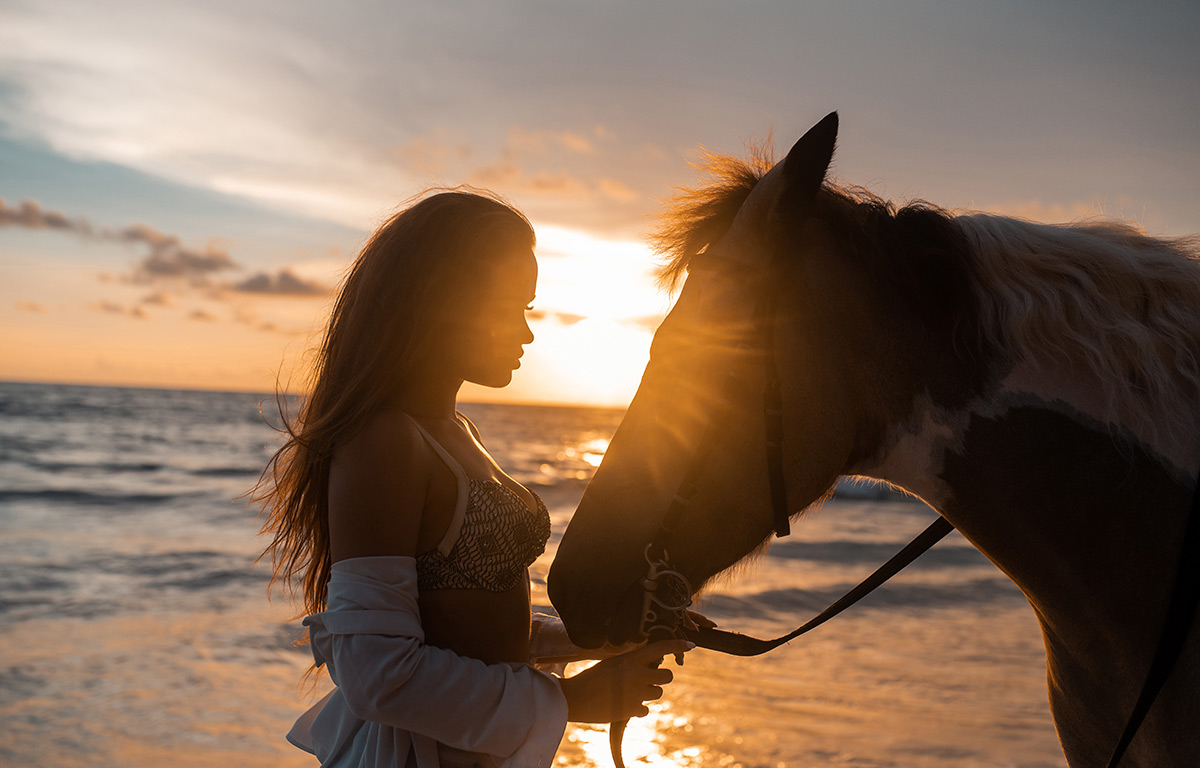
<point x="395" y="694"/>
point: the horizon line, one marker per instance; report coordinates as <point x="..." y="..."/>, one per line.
<point x="235" y="391"/>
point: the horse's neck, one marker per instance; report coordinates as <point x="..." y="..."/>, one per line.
<point x="1076" y="514"/>
<point x="1041" y="486"/>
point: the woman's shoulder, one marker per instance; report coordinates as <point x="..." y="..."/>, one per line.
<point x="378" y="482"/>
<point x="388" y="435"/>
<point x="388" y="456"/>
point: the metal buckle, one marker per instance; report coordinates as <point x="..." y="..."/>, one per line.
<point x="666" y="595"/>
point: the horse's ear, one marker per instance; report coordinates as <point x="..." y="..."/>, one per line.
<point x="805" y="166"/>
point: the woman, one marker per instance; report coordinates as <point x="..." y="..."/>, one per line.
<point x="411" y="544"/>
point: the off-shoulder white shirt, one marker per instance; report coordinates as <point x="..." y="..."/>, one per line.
<point x="399" y="702"/>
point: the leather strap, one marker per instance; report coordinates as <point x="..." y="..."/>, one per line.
<point x="737" y="644"/>
<point x="1185" y="596"/>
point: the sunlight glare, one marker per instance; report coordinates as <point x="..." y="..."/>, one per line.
<point x="593" y="361"/>
<point x="644" y="745"/>
<point x="590" y="452"/>
<point x="596" y="278"/>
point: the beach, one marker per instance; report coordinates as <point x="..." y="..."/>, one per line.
<point x="136" y="628"/>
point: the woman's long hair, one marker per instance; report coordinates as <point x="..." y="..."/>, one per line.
<point x="404" y="285"/>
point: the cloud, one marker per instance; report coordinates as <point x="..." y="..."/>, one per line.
<point x="540" y="140"/>
<point x="649" y="322"/>
<point x="569" y="318"/>
<point x="615" y="190"/>
<point x="118" y="81"/>
<point x="31" y="216"/>
<point x="113" y="308"/>
<point x="31" y="306"/>
<point x="557" y="167"/>
<point x="202" y="316"/>
<point x="158" y="298"/>
<point x="168" y="258"/>
<point x="249" y="318"/>
<point x="282" y="283"/>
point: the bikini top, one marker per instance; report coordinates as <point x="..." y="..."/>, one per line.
<point x="492" y="539"/>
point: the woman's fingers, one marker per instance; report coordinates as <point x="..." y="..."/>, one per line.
<point x="617" y="688"/>
<point x="659" y="649"/>
<point x="693" y="620"/>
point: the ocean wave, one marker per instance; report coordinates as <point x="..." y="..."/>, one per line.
<point x="844" y="552"/>
<point x="110" y="583"/>
<point x="101" y="466"/>
<point x="70" y="496"/>
<point x="226" y="471"/>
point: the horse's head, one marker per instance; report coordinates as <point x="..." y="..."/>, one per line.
<point x="707" y="366"/>
<point x="783" y="233"/>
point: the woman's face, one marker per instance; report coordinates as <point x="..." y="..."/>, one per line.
<point x="491" y="331"/>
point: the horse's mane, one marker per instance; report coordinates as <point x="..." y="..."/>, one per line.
<point x="1100" y="295"/>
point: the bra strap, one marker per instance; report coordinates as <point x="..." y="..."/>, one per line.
<point x="460" y="506"/>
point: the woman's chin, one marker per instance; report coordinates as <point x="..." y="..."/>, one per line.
<point x="495" y="379"/>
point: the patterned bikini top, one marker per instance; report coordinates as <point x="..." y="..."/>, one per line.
<point x="492" y="539"/>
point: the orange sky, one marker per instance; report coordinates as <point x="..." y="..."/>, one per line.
<point x="183" y="184"/>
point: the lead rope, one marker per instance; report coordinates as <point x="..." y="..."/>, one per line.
<point x="662" y="616"/>
<point x="737" y="644"/>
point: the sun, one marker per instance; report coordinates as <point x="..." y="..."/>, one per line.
<point x="597" y="305"/>
<point x="596" y="360"/>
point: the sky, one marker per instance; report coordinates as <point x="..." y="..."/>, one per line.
<point x="183" y="184"/>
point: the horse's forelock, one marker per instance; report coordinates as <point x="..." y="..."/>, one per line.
<point x="695" y="218"/>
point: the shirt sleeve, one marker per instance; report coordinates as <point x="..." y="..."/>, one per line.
<point x="550" y="649"/>
<point x="371" y="641"/>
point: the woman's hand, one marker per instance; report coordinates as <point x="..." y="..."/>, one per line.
<point x="615" y="688"/>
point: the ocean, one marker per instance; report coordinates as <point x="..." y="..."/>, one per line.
<point x="135" y="627"/>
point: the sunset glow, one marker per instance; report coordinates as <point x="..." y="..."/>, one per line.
<point x="180" y="196"/>
<point x="596" y="310"/>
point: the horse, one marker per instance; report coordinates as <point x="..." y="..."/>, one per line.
<point x="1035" y="384"/>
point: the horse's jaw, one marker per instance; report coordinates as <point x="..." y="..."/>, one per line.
<point x="598" y="604"/>
<point x="912" y="453"/>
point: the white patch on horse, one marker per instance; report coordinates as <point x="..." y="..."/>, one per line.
<point x="1065" y="391"/>
<point x="914" y="452"/>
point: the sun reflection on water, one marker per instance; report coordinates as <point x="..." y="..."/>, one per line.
<point x="648" y="742"/>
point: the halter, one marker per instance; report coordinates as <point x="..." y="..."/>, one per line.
<point x="662" y="614"/>
<point x="666" y="592"/>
